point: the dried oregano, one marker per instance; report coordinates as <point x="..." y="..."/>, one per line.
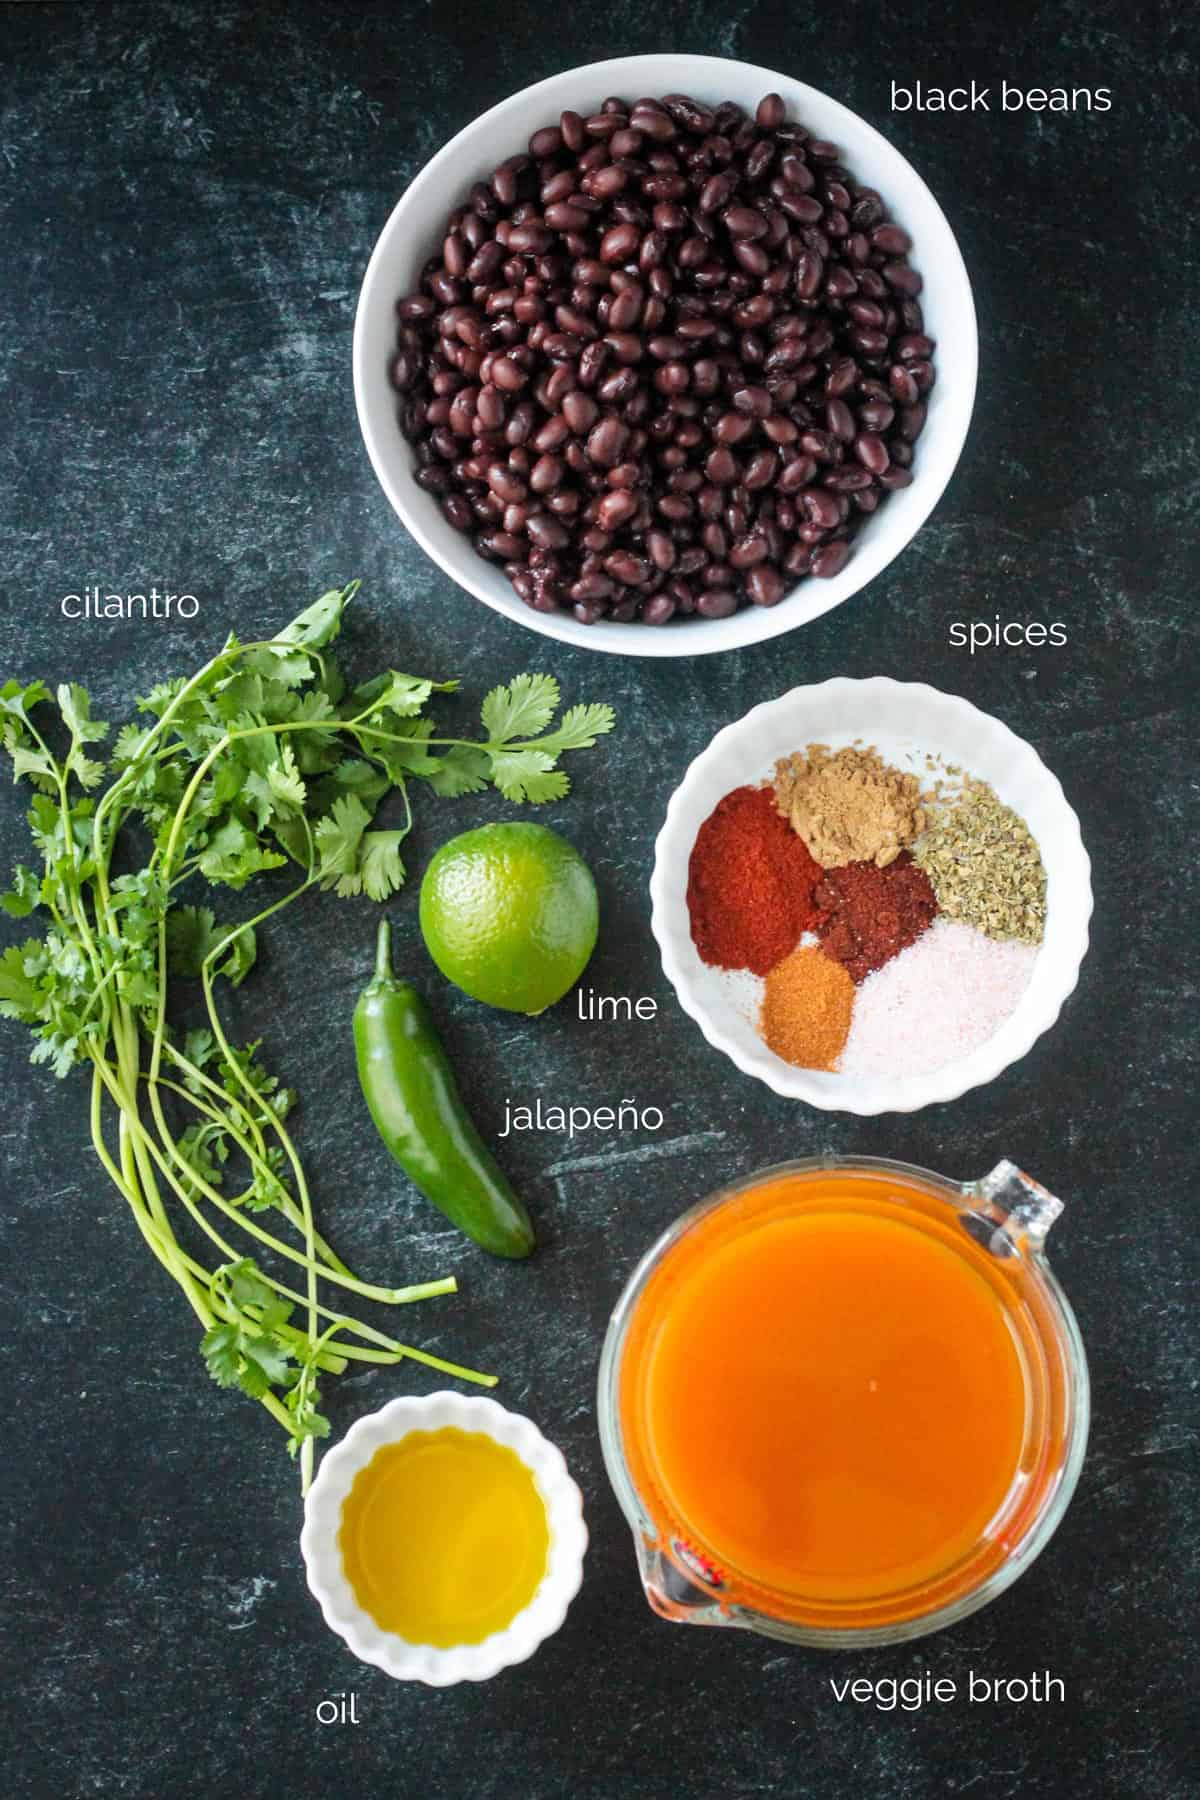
<point x="984" y="864"/>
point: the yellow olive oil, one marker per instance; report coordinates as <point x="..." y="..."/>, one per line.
<point x="444" y="1537"/>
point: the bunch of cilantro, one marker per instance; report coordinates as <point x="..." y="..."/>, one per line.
<point x="263" y="759"/>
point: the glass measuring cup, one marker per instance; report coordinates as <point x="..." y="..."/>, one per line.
<point x="994" y="1230"/>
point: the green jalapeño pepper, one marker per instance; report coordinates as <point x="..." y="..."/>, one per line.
<point x="418" y="1111"/>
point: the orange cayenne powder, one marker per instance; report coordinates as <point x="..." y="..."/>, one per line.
<point x="806" y="1008"/>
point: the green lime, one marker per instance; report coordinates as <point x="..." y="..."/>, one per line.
<point x="509" y="914"/>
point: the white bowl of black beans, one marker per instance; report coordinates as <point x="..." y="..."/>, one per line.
<point x="642" y="361"/>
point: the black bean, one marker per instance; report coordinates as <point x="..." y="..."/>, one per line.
<point x="716" y="603"/>
<point x="745" y="222"/>
<point x="912" y="422"/>
<point x="661" y="548"/>
<point x="765" y="585"/>
<point x="606" y="441"/>
<point x="914" y="346"/>
<point x="721" y="468"/>
<point x="628" y="569"/>
<point x="871" y="452"/>
<point x="580" y="412"/>
<point x="906" y="281"/>
<point x="547" y="533"/>
<point x="553" y="434"/>
<point x="845" y="480"/>
<point x="546" y="474"/>
<point x="876" y="415"/>
<point x="830" y="559"/>
<point x="748" y="550"/>
<point x="821" y="508"/>
<point x="810" y="270"/>
<point x="403" y="371"/>
<point x="616" y="509"/>
<point x="761" y="470"/>
<point x="658" y="610"/>
<point x="619" y="243"/>
<point x="771" y="112"/>
<point x="509" y="374"/>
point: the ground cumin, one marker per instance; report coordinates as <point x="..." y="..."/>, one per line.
<point x="806" y="1008"/>
<point x="848" y="805"/>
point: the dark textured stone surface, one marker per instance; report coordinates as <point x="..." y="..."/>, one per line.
<point x="188" y="195"/>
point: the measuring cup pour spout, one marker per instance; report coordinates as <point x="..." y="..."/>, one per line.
<point x="672" y="1593"/>
<point x="1010" y="1212"/>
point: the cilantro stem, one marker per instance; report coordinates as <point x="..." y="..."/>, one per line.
<point x="286" y="1205"/>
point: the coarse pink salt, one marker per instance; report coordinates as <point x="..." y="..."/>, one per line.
<point x="936" y="1002"/>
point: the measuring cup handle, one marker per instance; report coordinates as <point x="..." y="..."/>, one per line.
<point x="1014" y="1211"/>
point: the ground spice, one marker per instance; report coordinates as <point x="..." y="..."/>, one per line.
<point x="985" y="865"/>
<point x="849" y="805"/>
<point x="806" y="1009"/>
<point x="750" y="884"/>
<point x="948" y="994"/>
<point x="870" y="914"/>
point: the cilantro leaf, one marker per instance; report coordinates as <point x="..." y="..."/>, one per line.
<point x="520" y="710"/>
<point x="319" y="623"/>
<point x="283" y="779"/>
<point x="246" y="1284"/>
<point x="580" y="726"/>
<point x="24" y="894"/>
<point x="32" y="765"/>
<point x="267" y="1355"/>
<point x="464" y="769"/>
<point x="128" y="745"/>
<point x="75" y="705"/>
<point x="20" y="990"/>
<point x="528" y="775"/>
<point x="382" y="868"/>
<point x="234" y="854"/>
<point x="193" y="935"/>
<point x="338" y="838"/>
<point x="221" y="1349"/>
<point x="17" y="702"/>
<point x="403" y="695"/>
<point x="249" y="1351"/>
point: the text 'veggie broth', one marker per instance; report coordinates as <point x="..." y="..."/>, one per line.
<point x="825" y="1395"/>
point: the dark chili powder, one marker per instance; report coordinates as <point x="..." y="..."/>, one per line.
<point x="750" y="884"/>
<point x="871" y="914"/>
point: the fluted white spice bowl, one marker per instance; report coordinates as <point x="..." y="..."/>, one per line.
<point x="906" y="722"/>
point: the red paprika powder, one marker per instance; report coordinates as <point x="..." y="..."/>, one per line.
<point x="750" y="884"/>
<point x="869" y="914"/>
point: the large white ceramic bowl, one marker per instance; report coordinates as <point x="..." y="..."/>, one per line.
<point x="327" y="1576"/>
<point x="415" y="229"/>
<point x="906" y="722"/>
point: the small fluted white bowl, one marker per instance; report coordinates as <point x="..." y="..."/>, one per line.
<point x="327" y="1576"/>
<point x="415" y="229"/>
<point x="906" y="722"/>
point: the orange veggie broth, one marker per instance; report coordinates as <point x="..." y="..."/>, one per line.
<point x="826" y="1392"/>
